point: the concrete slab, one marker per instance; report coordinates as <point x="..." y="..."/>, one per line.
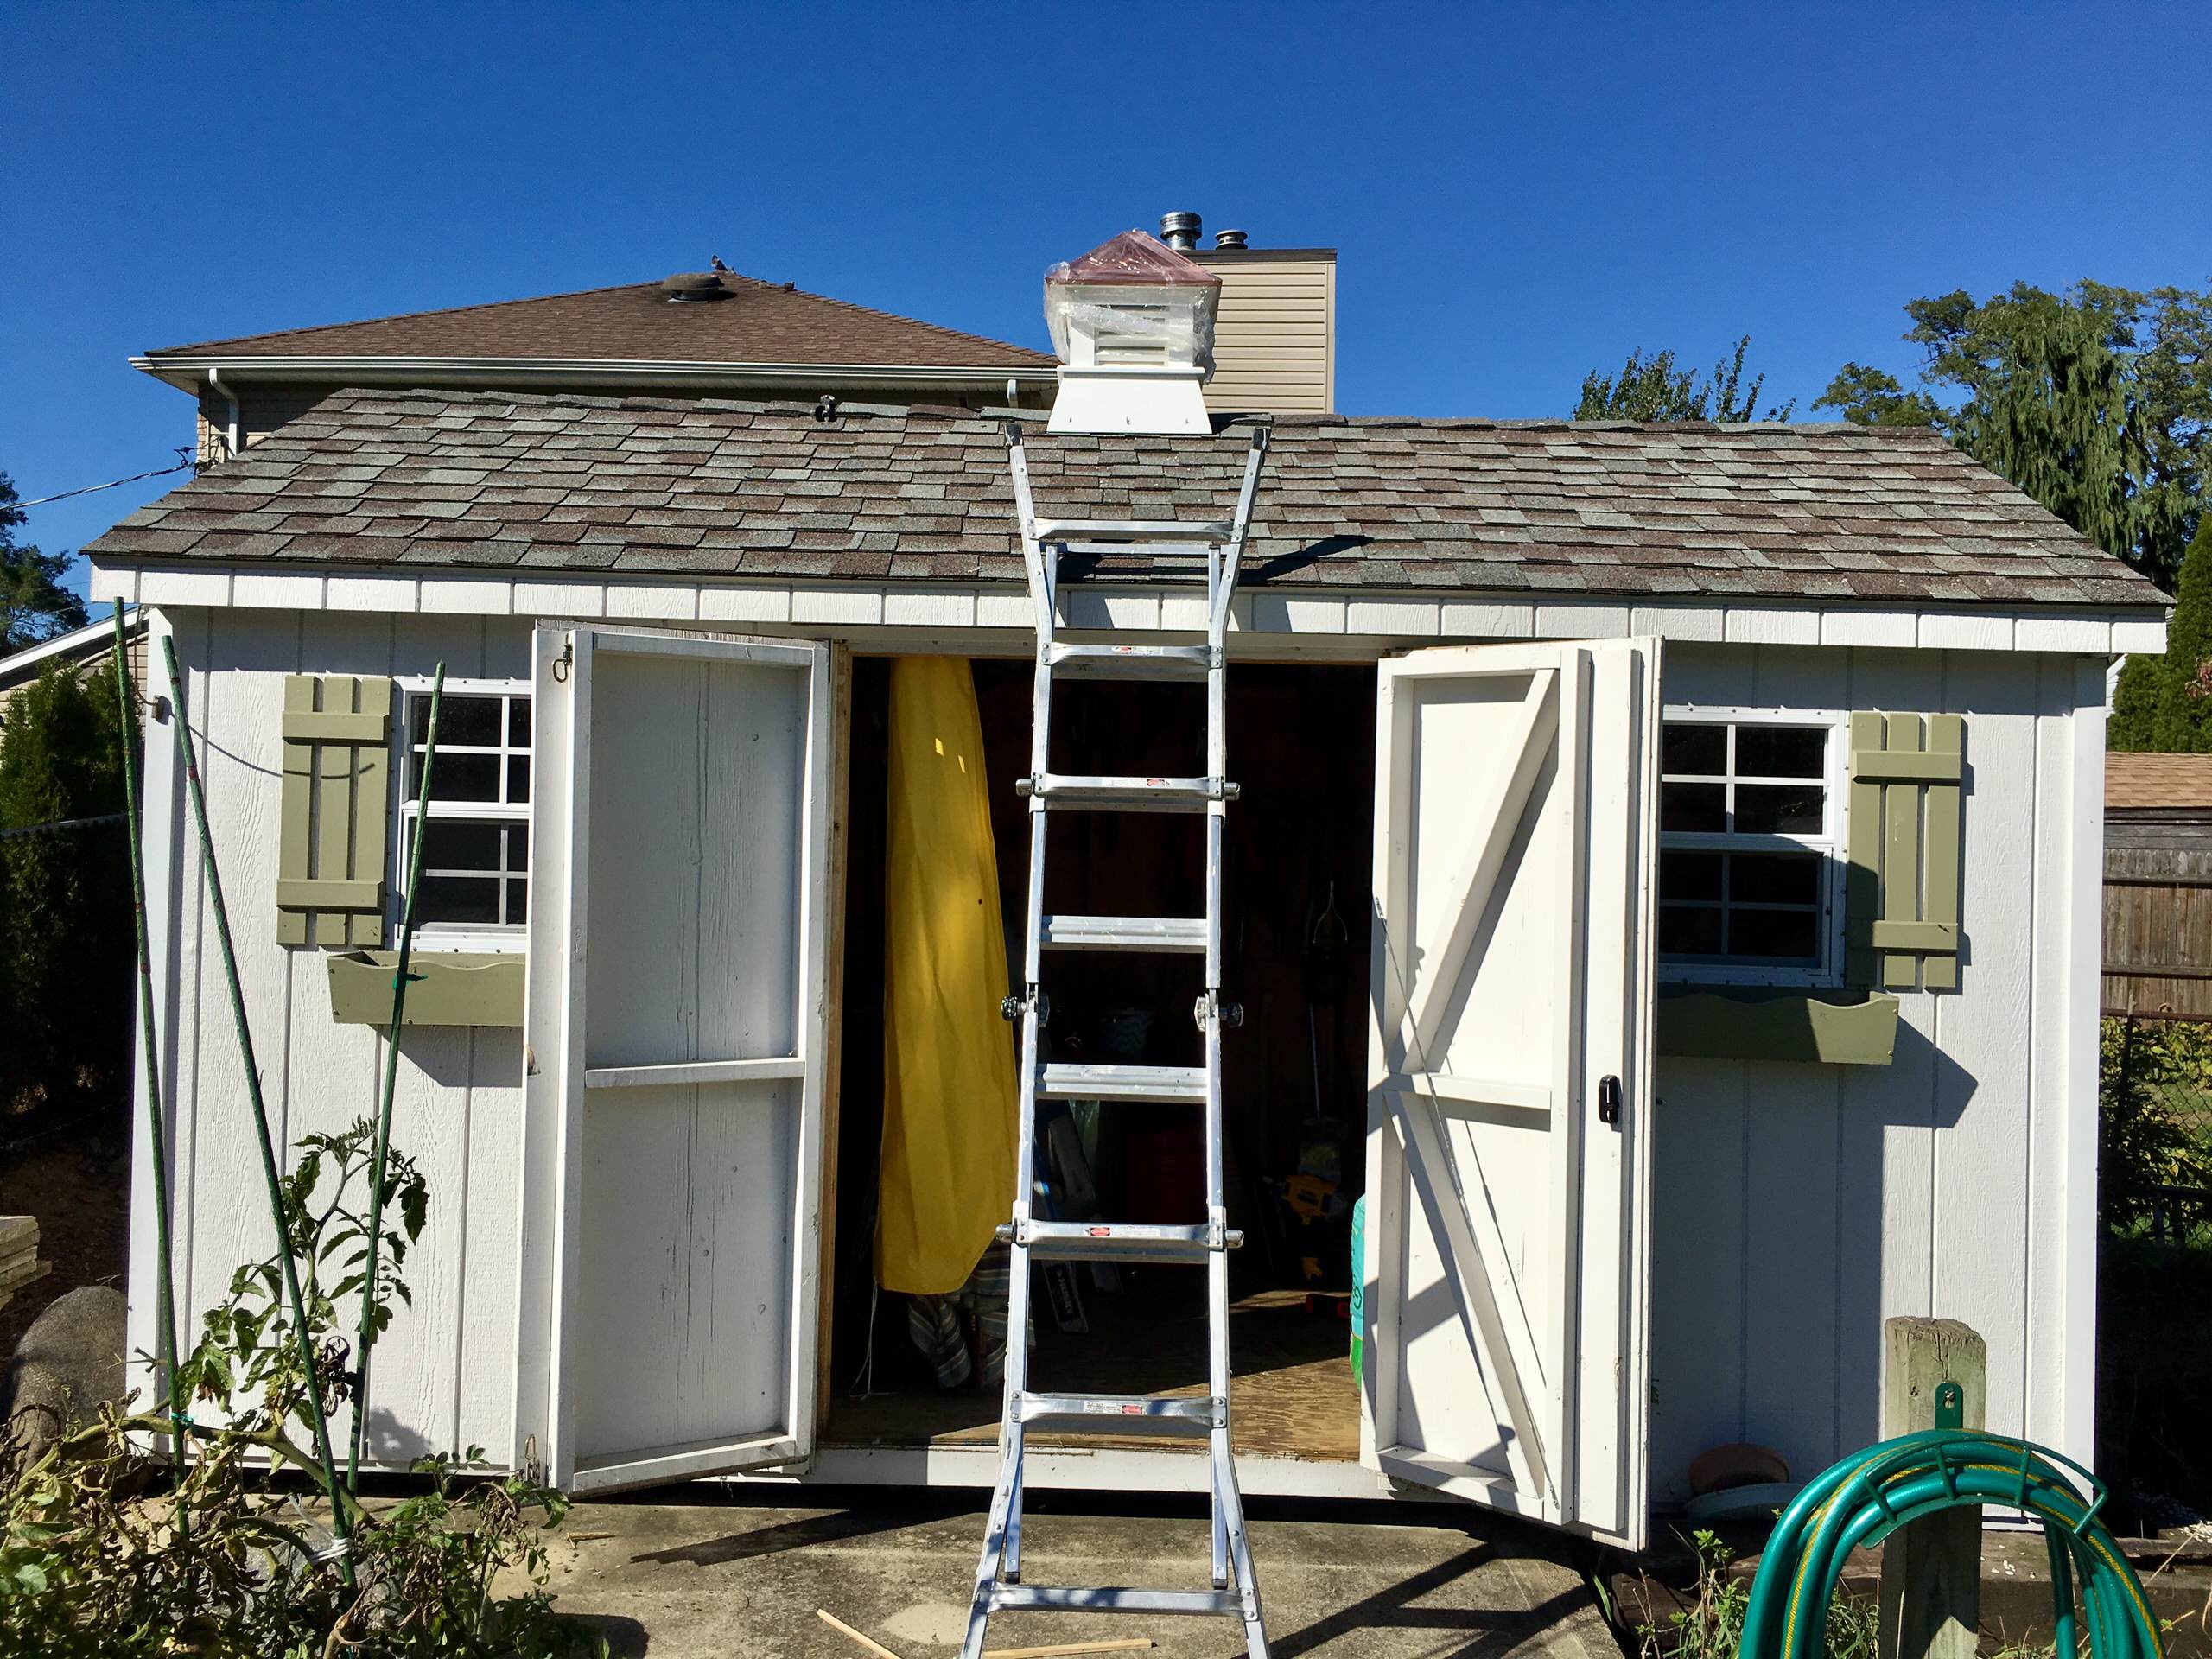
<point x="736" y="1579"/>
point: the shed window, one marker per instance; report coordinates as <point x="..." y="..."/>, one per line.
<point x="1750" y="841"/>
<point x="476" y="859"/>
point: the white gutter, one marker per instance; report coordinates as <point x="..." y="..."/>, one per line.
<point x="188" y="372"/>
<point x="231" y="446"/>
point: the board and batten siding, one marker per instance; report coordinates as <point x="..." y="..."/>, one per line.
<point x="444" y="1372"/>
<point x="1796" y="1207"/>
<point x="1274" y="339"/>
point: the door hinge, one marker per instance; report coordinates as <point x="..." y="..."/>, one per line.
<point x="1608" y="1101"/>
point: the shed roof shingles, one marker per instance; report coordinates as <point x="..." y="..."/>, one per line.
<point x="1832" y="513"/>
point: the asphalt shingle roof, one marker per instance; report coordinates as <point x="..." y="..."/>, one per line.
<point x="757" y="322"/>
<point x="1833" y="513"/>
<point x="2137" y="782"/>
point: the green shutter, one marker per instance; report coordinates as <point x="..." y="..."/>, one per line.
<point x="1901" y="897"/>
<point x="336" y="804"/>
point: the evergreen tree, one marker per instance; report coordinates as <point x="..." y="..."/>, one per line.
<point x="66" y="950"/>
<point x="36" y="604"/>
<point x="2134" y="718"/>
<point x="2183" y="724"/>
<point x="2096" y="401"/>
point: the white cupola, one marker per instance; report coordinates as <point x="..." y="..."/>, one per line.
<point x="1132" y="324"/>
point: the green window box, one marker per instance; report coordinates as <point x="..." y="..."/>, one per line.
<point x="1835" y="1028"/>
<point x="452" y="989"/>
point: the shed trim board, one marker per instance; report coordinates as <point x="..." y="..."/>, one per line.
<point x="998" y="620"/>
<point x="1793" y="1206"/>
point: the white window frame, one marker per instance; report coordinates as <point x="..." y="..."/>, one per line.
<point x="1830" y="843"/>
<point x="508" y="938"/>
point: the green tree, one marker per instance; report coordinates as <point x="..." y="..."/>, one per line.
<point x="2096" y="401"/>
<point x="66" y="947"/>
<point x="30" y="582"/>
<point x="1653" y="389"/>
<point x="2183" y="721"/>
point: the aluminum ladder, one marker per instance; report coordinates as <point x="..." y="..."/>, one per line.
<point x="999" y="1586"/>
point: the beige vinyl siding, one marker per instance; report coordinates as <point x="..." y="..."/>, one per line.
<point x="262" y="409"/>
<point x="1274" y="344"/>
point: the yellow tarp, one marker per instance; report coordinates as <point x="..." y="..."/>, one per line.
<point x="949" y="1099"/>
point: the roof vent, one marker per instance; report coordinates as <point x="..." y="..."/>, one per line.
<point x="692" y="286"/>
<point x="1132" y="324"/>
<point x="1180" y="231"/>
<point x="1232" y="240"/>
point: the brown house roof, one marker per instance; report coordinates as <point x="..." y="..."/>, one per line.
<point x="756" y="322"/>
<point x="2136" y="782"/>
<point x="514" y="482"/>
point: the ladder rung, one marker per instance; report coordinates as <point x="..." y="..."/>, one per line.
<point x="1122" y="1241"/>
<point x="1214" y="530"/>
<point x="1122" y="1413"/>
<point x="1130" y="661"/>
<point x="1055" y="1599"/>
<point x="1127" y="794"/>
<point x="1186" y="933"/>
<point x="1067" y="1080"/>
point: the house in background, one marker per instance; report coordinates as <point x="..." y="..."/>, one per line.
<point x="1782" y="1019"/>
<point x="2157" y="935"/>
<point x="85" y="650"/>
<point x="718" y="334"/>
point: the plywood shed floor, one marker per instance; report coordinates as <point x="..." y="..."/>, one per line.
<point x="1292" y="1391"/>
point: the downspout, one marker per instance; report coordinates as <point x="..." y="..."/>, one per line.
<point x="230" y="433"/>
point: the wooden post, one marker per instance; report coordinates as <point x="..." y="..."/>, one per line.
<point x="1934" y="1374"/>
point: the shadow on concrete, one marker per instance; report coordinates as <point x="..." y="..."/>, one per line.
<point x="1492" y="1632"/>
<point x="838" y="1527"/>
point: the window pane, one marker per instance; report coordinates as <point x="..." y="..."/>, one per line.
<point x="1690" y="875"/>
<point x="1780" y="751"/>
<point x="1776" y="808"/>
<point x="1692" y="806"/>
<point x="1693" y="748"/>
<point x="1787" y="935"/>
<point x="1689" y="930"/>
<point x="517" y="846"/>
<point x="460" y="845"/>
<point x="460" y="719"/>
<point x="457" y="899"/>
<point x="518" y="778"/>
<point x="459" y="778"/>
<point x="1772" y="878"/>
<point x="519" y="723"/>
<point x="518" y="902"/>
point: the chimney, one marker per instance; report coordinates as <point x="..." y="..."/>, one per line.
<point x="1180" y="231"/>
<point x="1274" y="339"/>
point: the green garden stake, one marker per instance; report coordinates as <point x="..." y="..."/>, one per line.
<point x="340" y="1521"/>
<point x="399" y="978"/>
<point x="126" y="696"/>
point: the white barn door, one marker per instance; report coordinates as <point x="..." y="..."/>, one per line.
<point x="1509" y="1078"/>
<point x="676" y="936"/>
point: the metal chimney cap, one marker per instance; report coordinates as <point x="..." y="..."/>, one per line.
<point x="1229" y="238"/>
<point x="1180" y="231"/>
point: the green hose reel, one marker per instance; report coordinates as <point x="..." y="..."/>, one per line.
<point x="1863" y="1499"/>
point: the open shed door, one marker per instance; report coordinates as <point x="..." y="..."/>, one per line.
<point x="1509" y="1078"/>
<point x="677" y="1023"/>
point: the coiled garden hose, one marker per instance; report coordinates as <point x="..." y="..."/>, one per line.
<point x="1863" y="1499"/>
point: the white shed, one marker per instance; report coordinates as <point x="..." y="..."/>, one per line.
<point x="1776" y="752"/>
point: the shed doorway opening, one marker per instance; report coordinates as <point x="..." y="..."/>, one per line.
<point x="1295" y="954"/>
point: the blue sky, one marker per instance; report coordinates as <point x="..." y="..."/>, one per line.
<point x="1518" y="193"/>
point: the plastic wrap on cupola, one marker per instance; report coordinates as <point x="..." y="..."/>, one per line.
<point x="949" y="1094"/>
